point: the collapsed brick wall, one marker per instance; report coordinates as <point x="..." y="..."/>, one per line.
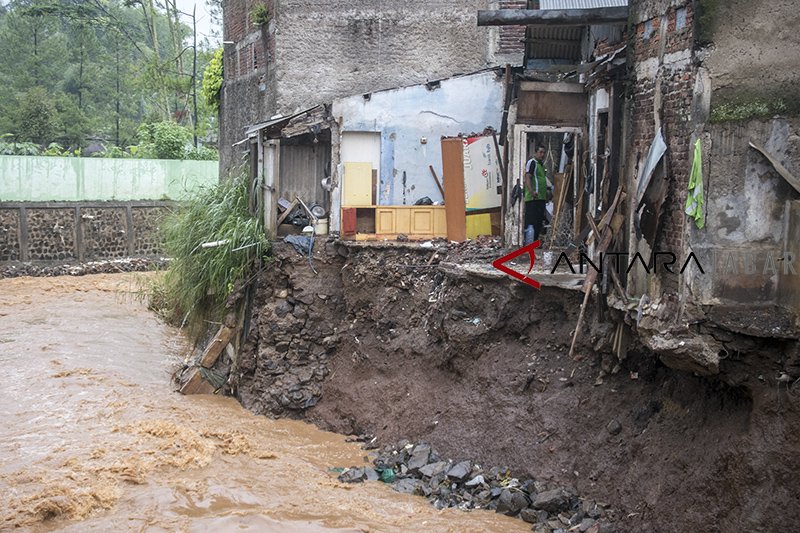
<point x="74" y="231"/>
<point x="662" y="93"/>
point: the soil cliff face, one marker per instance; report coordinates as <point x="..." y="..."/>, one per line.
<point x="388" y="342"/>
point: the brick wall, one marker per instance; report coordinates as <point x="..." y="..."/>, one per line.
<point x="663" y="87"/>
<point x="510" y="39"/>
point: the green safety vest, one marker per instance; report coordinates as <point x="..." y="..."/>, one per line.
<point x="539" y="182"/>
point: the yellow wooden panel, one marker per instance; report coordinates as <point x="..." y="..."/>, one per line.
<point x="357" y="184"/>
<point x="440" y="222"/>
<point x="403" y="221"/>
<point x="422" y="221"/>
<point x="385" y="220"/>
<point x="479" y="225"/>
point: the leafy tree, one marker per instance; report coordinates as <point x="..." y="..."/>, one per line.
<point x="107" y="66"/>
<point x="37" y="117"/>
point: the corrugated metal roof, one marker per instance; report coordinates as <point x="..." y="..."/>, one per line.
<point x="554" y="42"/>
<point x="580" y="4"/>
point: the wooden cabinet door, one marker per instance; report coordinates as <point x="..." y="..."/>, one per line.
<point x="357" y="184"/>
<point x="385" y="221"/>
<point x="422" y="221"/>
<point x="348" y="221"/>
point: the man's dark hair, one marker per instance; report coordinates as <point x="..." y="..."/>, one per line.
<point x="540" y="147"/>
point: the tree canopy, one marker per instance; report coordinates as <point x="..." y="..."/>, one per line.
<point x="77" y="72"/>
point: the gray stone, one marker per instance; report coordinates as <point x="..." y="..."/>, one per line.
<point x="585" y="524"/>
<point x="408" y="486"/>
<point x="305" y="297"/>
<point x="528" y="486"/>
<point x="529" y="515"/>
<point x="511" y="503"/>
<point x="474" y="482"/>
<point x="283" y="308"/>
<point x="419" y="457"/>
<point x="541" y="528"/>
<point x="614" y="427"/>
<point x="352" y="475"/>
<point x="371" y="474"/>
<point x="460" y="471"/>
<point x="433" y="469"/>
<point x="551" y="501"/>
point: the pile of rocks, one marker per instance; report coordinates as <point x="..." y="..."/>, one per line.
<point x="129" y="264"/>
<point x="419" y="469"/>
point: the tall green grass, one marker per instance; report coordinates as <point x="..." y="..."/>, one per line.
<point x="200" y="279"/>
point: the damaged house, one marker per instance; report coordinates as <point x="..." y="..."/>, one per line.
<point x="671" y="133"/>
<point x="285" y="70"/>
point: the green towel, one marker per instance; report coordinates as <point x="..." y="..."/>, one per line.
<point x="694" y="201"/>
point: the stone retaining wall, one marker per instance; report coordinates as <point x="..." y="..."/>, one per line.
<point x="80" y="231"/>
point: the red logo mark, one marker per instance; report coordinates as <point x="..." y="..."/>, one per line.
<point x="499" y="264"/>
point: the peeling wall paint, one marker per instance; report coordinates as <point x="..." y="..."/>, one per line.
<point x="412" y="120"/>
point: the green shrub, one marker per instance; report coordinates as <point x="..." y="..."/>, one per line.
<point x="203" y="153"/>
<point x="163" y="140"/>
<point x="200" y="279"/>
<point x="259" y="15"/>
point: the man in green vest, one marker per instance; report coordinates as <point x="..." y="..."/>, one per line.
<point x="536" y="188"/>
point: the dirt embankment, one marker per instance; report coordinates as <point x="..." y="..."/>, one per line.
<point x="385" y="343"/>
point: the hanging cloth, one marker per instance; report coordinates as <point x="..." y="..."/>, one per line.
<point x="694" y="201"/>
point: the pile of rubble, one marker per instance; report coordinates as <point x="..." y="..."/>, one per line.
<point x="418" y="469"/>
<point x="130" y="264"/>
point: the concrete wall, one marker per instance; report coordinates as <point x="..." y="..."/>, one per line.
<point x="408" y="116"/>
<point x="749" y="224"/>
<point x="40" y="179"/>
<point x="80" y="231"/>
<point x="748" y="206"/>
<point x="312" y="52"/>
<point x="755" y="48"/>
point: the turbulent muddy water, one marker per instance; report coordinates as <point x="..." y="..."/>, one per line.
<point x="94" y="438"/>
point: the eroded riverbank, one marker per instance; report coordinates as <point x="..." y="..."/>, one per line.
<point x="95" y="438"/>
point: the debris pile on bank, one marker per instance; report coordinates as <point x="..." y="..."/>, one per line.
<point x="113" y="266"/>
<point x="420" y="470"/>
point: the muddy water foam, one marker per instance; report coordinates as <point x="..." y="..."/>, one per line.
<point x="94" y="438"/>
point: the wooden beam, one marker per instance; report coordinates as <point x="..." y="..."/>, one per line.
<point x="552" y="17"/>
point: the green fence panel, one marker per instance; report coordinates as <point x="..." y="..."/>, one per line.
<point x="69" y="179"/>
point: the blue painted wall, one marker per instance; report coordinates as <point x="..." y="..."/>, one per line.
<point x="407" y="115"/>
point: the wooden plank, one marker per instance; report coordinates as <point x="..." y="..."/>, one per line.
<point x="436" y="178"/>
<point x="195" y="384"/>
<point x="788" y="176"/>
<point x="215" y="347"/>
<point x="286" y="212"/>
<point x="588" y="283"/>
<point x="552" y="17"/>
<point x="454" y="200"/>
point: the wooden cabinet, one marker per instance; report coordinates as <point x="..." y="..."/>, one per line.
<point x="413" y="221"/>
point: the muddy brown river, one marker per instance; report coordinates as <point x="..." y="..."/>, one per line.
<point x="95" y="439"/>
